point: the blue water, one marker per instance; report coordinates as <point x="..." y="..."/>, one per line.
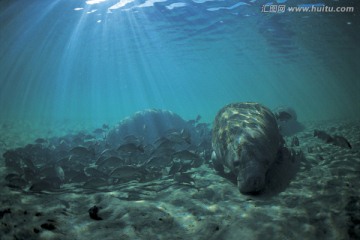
<point x="99" y="61"/>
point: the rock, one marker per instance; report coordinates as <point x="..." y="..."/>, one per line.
<point x="93" y="213"/>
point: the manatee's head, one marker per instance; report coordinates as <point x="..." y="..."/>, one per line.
<point x="251" y="170"/>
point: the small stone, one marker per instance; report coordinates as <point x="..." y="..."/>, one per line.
<point x="2" y="213"/>
<point x="295" y="142"/>
<point x="48" y="226"/>
<point x="356" y="232"/>
<point x="93" y="213"/>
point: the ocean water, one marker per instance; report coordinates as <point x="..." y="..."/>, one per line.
<point x="71" y="69"/>
<point x="99" y="61"/>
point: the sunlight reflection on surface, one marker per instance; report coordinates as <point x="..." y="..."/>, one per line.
<point x="90" y="2"/>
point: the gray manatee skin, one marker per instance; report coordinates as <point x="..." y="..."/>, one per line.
<point x="246" y="140"/>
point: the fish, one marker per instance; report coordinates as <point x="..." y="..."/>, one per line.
<point x="180" y="166"/>
<point x="79" y="177"/>
<point x="173" y="137"/>
<point x="95" y="182"/>
<point x="130" y="148"/>
<point x="185" y="165"/>
<point x="323" y="136"/>
<point x="197" y="162"/>
<point x="51" y="171"/>
<point x="13" y="160"/>
<point x="191" y="122"/>
<point x="126" y="172"/>
<point x="175" y="167"/>
<point x="60" y="172"/>
<point x="179" y="137"/>
<point x="45" y="185"/>
<point x="185" y="154"/>
<point x="341" y="142"/>
<point x="105" y="126"/>
<point x="89" y="138"/>
<point x="29" y="173"/>
<point x="16" y="182"/>
<point x="132" y="139"/>
<point x="184" y="178"/>
<point x="93" y="172"/>
<point x="11" y="176"/>
<point x="29" y="163"/>
<point x="110" y="162"/>
<point x="158" y="161"/>
<point x="99" y="131"/>
<point x="162" y="152"/>
<point x="108" y="152"/>
<point x="82" y="151"/>
<point x="164" y="143"/>
<point x="196" y="120"/>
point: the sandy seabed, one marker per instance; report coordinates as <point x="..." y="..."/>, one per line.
<point x="322" y="201"/>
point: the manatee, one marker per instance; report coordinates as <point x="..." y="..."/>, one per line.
<point x="246" y="140"/>
<point x="287" y="120"/>
<point x="285" y="113"/>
